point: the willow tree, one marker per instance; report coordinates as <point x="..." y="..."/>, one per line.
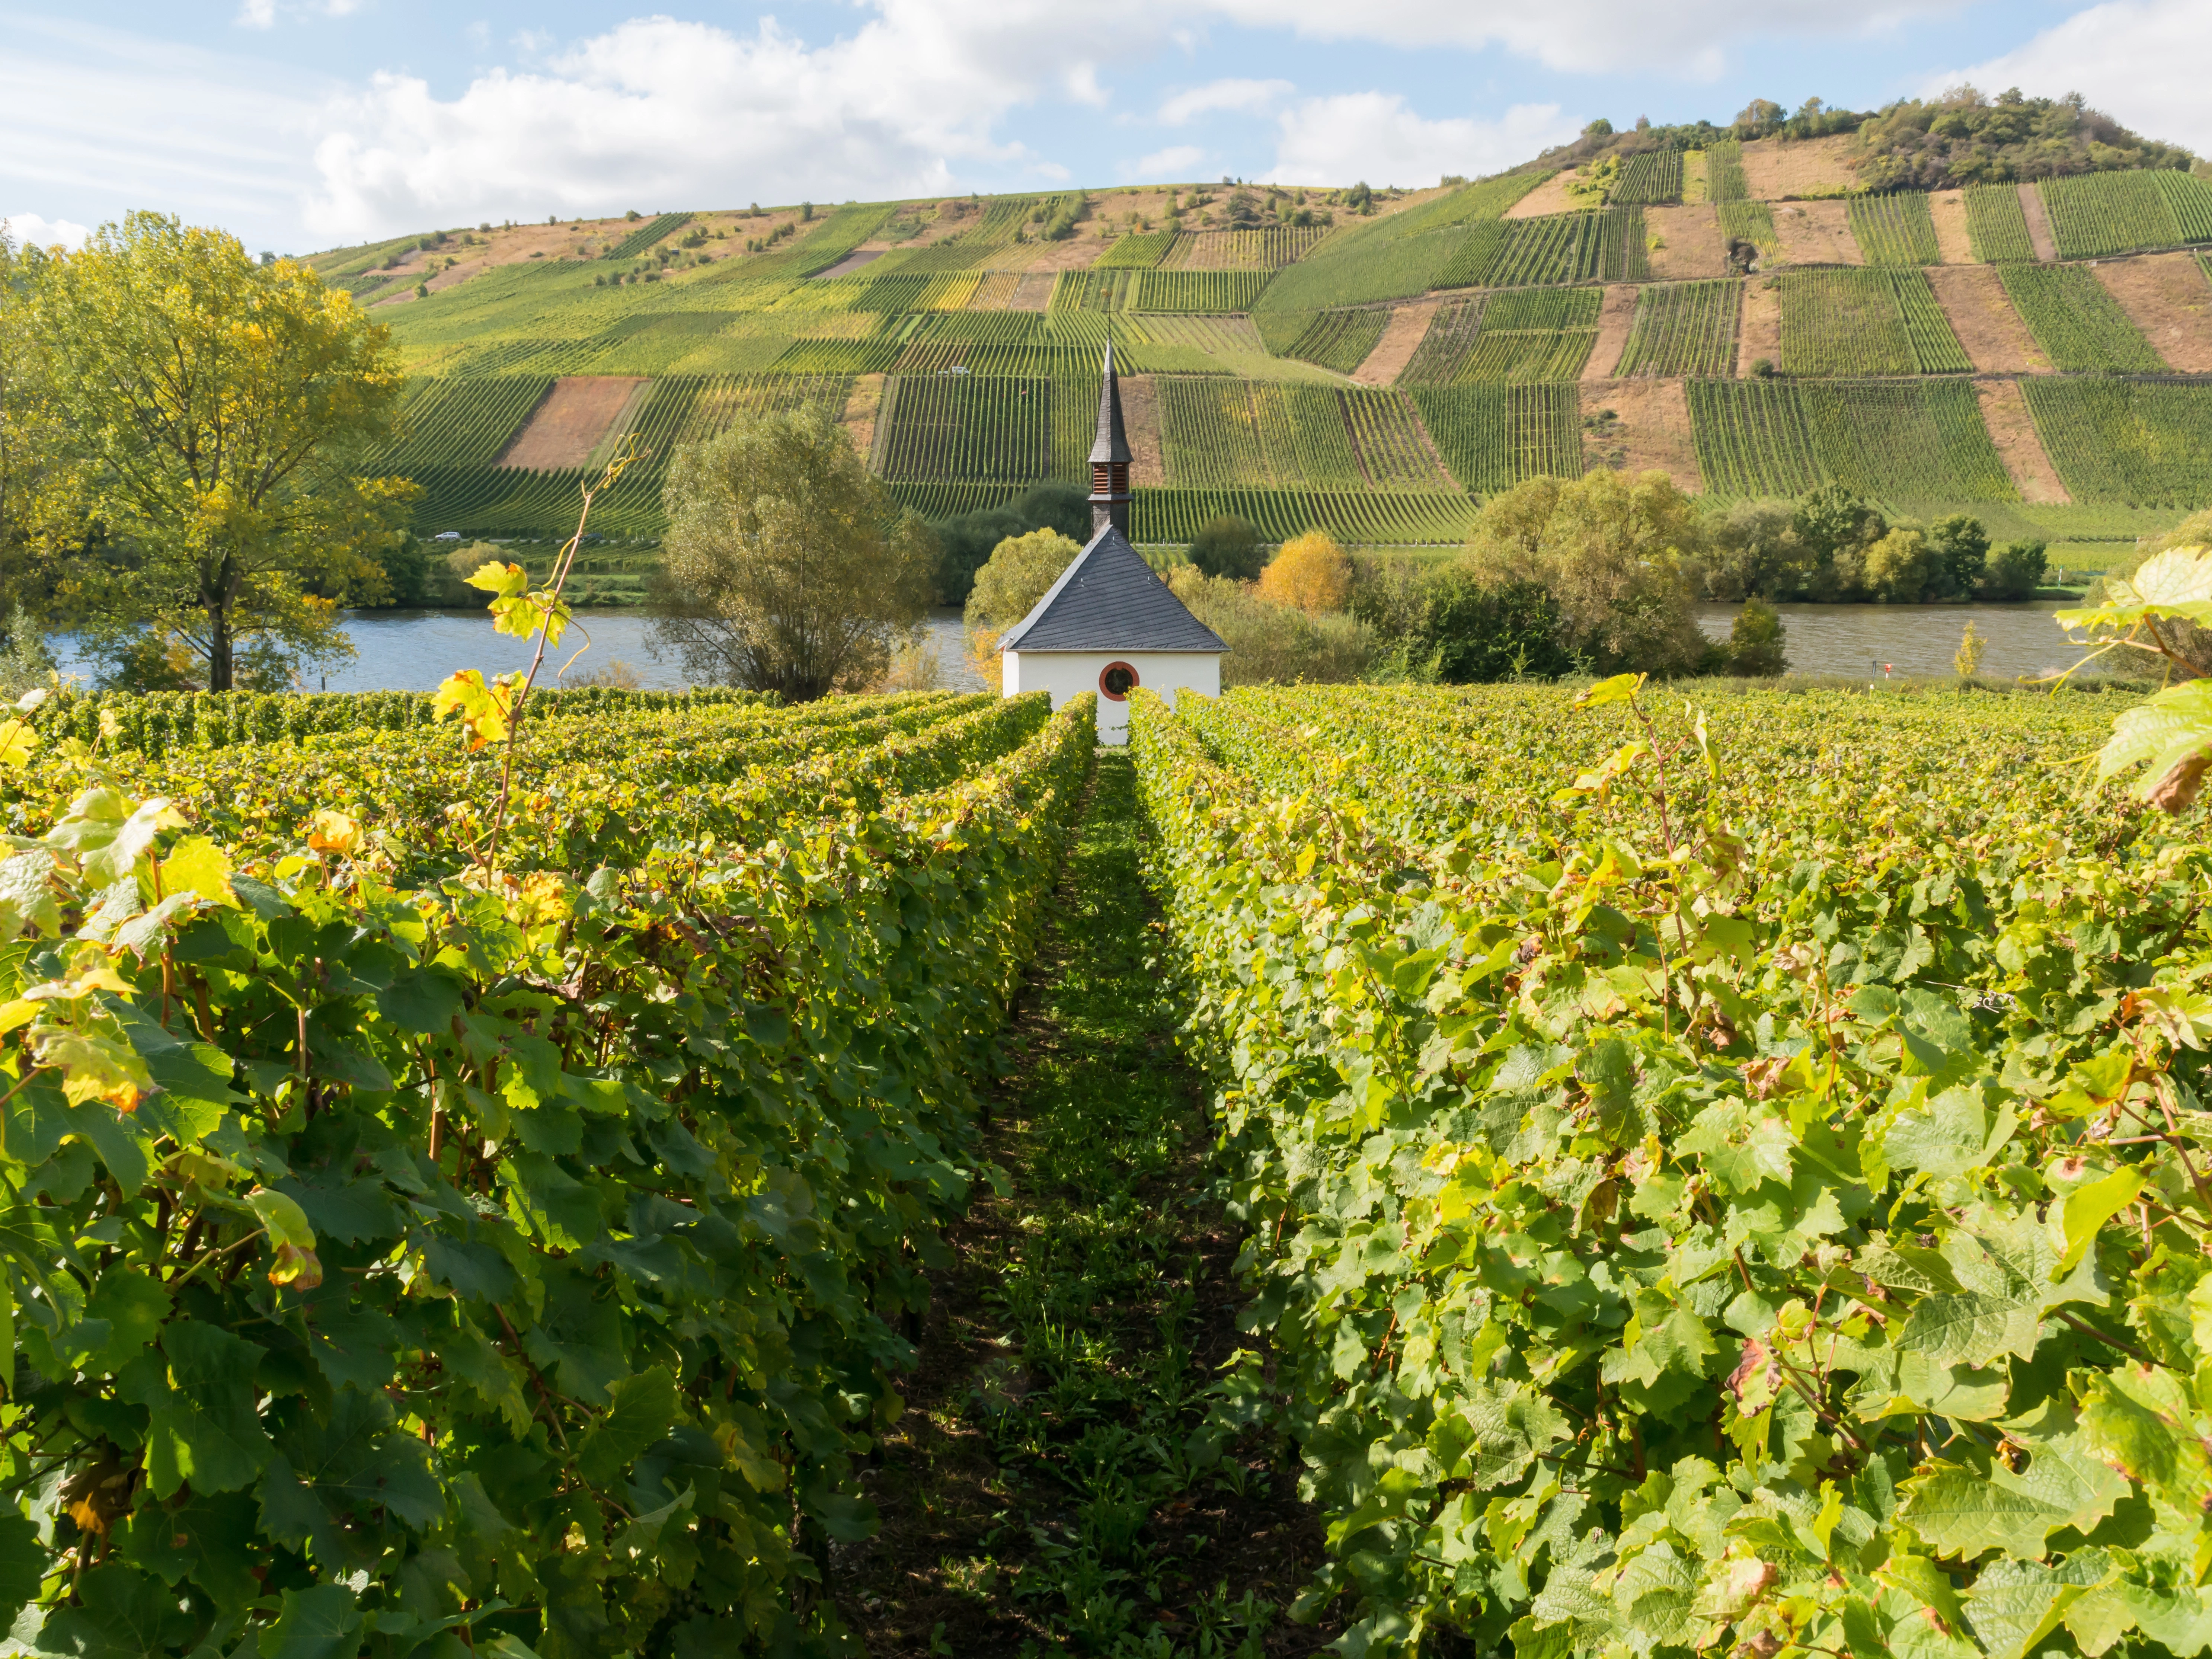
<point x="220" y="411"/>
<point x="788" y="566"/>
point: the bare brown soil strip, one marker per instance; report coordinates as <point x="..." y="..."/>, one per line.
<point x="1816" y="234"/>
<point x="849" y="263"/>
<point x="1140" y="420"/>
<point x="2038" y="223"/>
<point x="1693" y="245"/>
<point x="1033" y="292"/>
<point x="569" y="425"/>
<point x="1776" y="168"/>
<point x="859" y="419"/>
<point x="1948" y="209"/>
<point x="1614" y="320"/>
<point x="2165" y="295"/>
<point x="1996" y="340"/>
<point x="1636" y="426"/>
<point x="1760" y="334"/>
<point x="1408" y="324"/>
<point x="1550" y="196"/>
<point x="2005" y="410"/>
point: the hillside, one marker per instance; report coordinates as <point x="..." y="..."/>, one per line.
<point x="1744" y="314"/>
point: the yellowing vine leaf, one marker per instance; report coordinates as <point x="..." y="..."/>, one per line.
<point x="515" y="610"/>
<point x="486" y="709"/>
<point x="2173" y="733"/>
<point x="2177" y="583"/>
<point x="297" y="1265"/>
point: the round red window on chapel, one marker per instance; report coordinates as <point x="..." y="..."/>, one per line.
<point x="1114" y="681"/>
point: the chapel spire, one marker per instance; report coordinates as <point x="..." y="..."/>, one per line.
<point x="1109" y="458"/>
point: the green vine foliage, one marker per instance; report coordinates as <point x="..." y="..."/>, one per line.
<point x="511" y="1265"/>
<point x="587" y="792"/>
<point x="1722" y="1183"/>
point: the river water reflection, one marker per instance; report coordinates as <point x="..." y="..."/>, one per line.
<point x="413" y="650"/>
<point x="1913" y="639"/>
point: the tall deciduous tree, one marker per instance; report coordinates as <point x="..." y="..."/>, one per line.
<point x="789" y="567"/>
<point x="40" y="516"/>
<point x="221" y="410"/>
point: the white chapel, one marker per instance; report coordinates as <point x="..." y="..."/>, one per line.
<point x="1109" y="624"/>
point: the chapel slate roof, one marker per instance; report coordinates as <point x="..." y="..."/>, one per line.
<point x="1108" y="599"/>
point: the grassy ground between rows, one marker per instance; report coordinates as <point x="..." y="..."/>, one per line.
<point x="1054" y="1485"/>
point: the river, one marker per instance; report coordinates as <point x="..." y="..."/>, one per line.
<point x="413" y="650"/>
<point x="1869" y="641"/>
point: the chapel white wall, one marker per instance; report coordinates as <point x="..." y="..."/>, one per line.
<point x="1070" y="673"/>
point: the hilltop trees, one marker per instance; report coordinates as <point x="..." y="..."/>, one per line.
<point x="215" y="411"/>
<point x="788" y="567"/>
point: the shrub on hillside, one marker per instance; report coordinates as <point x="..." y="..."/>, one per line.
<point x="1227" y="546"/>
<point x="1614" y="552"/>
<point x="968" y="540"/>
<point x="1311" y="572"/>
<point x="1275" y="644"/>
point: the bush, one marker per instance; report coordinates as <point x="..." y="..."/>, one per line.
<point x="1756" y="642"/>
<point x="1896" y="567"/>
<point x="1614" y="552"/>
<point x="1275" y="644"/>
<point x="1309" y="572"/>
<point x="969" y="540"/>
<point x="1020" y="571"/>
<point x="2016" y="572"/>
<point x="1227" y="546"/>
<point x="1959" y="550"/>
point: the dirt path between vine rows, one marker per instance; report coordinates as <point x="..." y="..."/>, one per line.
<point x="1053" y="1484"/>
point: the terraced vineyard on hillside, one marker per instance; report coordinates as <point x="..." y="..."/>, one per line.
<point x="961" y="342"/>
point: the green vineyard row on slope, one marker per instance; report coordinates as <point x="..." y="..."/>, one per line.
<point x="1731" y="1209"/>
<point x="1890" y="440"/>
<point x="506" y="1265"/>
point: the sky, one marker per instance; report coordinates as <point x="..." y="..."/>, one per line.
<point x="303" y="124"/>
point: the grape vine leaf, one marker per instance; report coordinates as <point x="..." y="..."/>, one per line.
<point x="644" y="1409"/>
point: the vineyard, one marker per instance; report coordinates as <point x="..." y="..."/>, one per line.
<point x="1219" y="434"/>
<point x="1895" y="229"/>
<point x="1724" y="179"/>
<point x="1539" y="335"/>
<point x="962" y="427"/>
<point x="1649" y="180"/>
<point x="1912" y="440"/>
<point x="1865" y="323"/>
<point x="462" y="422"/>
<point x="1450" y="336"/>
<point x="1684" y="328"/>
<point x="2079" y="326"/>
<point x="1752" y="223"/>
<point x="2139" y="443"/>
<point x="1603" y="245"/>
<point x="2102" y="213"/>
<point x="477" y="496"/>
<point x="1492" y="437"/>
<point x="1996" y="224"/>
<point x="1723" y="1200"/>
<point x="1158" y="290"/>
<point x="1011" y="298"/>
<point x="420" y="1256"/>
<point x="1338" y="339"/>
<point x="1356" y="517"/>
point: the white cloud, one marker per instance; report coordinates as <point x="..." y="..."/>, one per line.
<point x="2141" y="61"/>
<point x="1177" y="162"/>
<point x="1686" y="36"/>
<point x="1241" y="97"/>
<point x="659" y="112"/>
<point x="1376" y="136"/>
<point x="30" y="230"/>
